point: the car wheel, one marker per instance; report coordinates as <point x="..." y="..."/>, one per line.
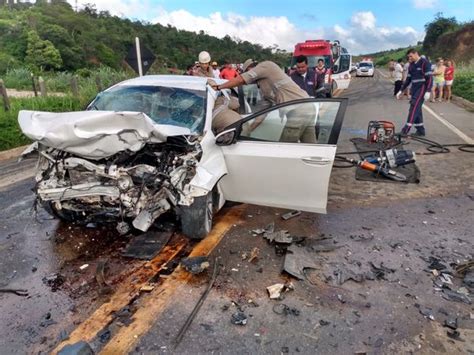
<point x="65" y="215"/>
<point x="196" y="219"/>
<point x="333" y="88"/>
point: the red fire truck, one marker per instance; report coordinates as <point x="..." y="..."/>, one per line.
<point x="336" y="59"/>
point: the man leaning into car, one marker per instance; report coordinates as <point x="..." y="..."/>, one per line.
<point x="276" y="88"/>
<point x="225" y="110"/>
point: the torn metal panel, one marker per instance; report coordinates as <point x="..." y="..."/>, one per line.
<point x="297" y="259"/>
<point x="132" y="188"/>
<point x="94" y="134"/>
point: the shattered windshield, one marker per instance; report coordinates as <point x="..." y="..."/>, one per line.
<point x="164" y="105"/>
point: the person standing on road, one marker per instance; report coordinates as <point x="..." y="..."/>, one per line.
<point x="391" y="67"/>
<point x="228" y="72"/>
<point x="204" y="68"/>
<point x="320" y="76"/>
<point x="438" y="82"/>
<point x="406" y="92"/>
<point x="420" y="77"/>
<point x="448" y="77"/>
<point x="398" y="75"/>
<point x="303" y="76"/>
<point x="276" y="87"/>
<point x="215" y="70"/>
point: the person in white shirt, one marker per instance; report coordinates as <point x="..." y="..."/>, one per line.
<point x="215" y="70"/>
<point x="398" y="76"/>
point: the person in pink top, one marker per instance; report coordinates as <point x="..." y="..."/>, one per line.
<point x="448" y="79"/>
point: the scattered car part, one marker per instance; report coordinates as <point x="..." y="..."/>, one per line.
<point x="380" y="271"/>
<point x="196" y="264"/>
<point x="277" y="291"/>
<point x="281" y="237"/>
<point x="297" y="259"/>
<point x="198" y="305"/>
<point x="79" y="348"/>
<point x="290" y="215"/>
<point x="54" y="281"/>
<point x="254" y="254"/>
<point x="453" y="334"/>
<point x="425" y="311"/>
<point x="283" y="309"/>
<point x="451" y="295"/>
<point x="146" y="246"/>
<point x="239" y="318"/>
<point x="451" y="323"/>
<point x="104" y="287"/>
<point x="274" y="291"/>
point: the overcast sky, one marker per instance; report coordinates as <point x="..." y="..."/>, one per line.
<point x="361" y="26"/>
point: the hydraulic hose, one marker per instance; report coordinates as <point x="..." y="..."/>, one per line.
<point x="433" y="147"/>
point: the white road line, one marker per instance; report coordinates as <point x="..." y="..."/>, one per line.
<point x="382" y="74"/>
<point x="453" y="128"/>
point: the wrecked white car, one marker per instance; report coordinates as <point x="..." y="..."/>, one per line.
<point x="145" y="147"/>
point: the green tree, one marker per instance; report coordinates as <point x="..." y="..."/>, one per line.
<point x="41" y="54"/>
<point x="435" y="29"/>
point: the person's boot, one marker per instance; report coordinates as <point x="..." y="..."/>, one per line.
<point x="405" y="130"/>
<point x="419" y="133"/>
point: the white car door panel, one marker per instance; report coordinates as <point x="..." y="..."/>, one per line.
<point x="265" y="171"/>
<point x="285" y="175"/>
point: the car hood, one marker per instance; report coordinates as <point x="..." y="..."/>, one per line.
<point x="95" y="134"/>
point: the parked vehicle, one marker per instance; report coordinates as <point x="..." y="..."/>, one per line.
<point x="336" y="58"/>
<point x="145" y="146"/>
<point x="365" y="69"/>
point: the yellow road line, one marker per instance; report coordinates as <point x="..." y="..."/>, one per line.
<point x="88" y="329"/>
<point x="156" y="302"/>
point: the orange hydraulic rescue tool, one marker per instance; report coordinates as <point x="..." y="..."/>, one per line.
<point x="378" y="169"/>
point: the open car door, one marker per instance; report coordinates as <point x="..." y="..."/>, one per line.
<point x="282" y="156"/>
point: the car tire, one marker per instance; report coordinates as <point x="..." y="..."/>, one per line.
<point x="65" y="215"/>
<point x="196" y="219"/>
<point x="333" y="88"/>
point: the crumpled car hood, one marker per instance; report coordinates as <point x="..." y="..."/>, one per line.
<point x="95" y="134"/>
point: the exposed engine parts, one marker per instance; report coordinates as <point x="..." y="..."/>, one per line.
<point x="130" y="187"/>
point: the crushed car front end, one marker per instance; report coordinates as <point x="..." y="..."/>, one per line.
<point x="129" y="158"/>
<point x="129" y="188"/>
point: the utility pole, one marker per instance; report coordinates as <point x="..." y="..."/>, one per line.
<point x="139" y="56"/>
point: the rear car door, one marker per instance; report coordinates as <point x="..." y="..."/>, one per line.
<point x="279" y="163"/>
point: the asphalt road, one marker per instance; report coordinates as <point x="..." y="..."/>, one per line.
<point x="397" y="225"/>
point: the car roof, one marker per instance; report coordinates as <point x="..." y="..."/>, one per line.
<point x="174" y="81"/>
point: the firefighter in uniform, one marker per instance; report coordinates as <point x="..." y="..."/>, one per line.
<point x="204" y="69"/>
<point x="421" y="79"/>
<point x="276" y="87"/>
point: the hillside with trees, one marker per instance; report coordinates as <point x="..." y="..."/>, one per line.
<point x="445" y="37"/>
<point x="52" y="36"/>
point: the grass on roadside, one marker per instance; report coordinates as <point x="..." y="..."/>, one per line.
<point x="10" y="133"/>
<point x="463" y="84"/>
<point x="20" y="79"/>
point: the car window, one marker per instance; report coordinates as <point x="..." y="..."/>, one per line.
<point x="164" y="105"/>
<point x="368" y="65"/>
<point x="306" y="121"/>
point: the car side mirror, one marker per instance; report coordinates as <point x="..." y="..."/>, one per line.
<point x="226" y="137"/>
<point x="335" y="68"/>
